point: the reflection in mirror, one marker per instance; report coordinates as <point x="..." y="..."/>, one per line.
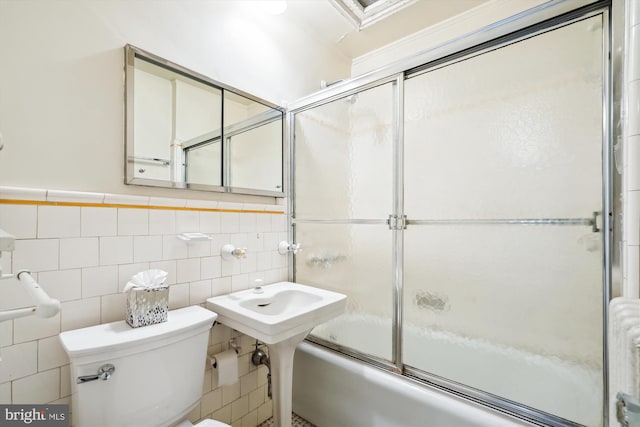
<point x="176" y="137"/>
<point x="253" y="132"/>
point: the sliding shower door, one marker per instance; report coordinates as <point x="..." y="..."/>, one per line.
<point x="344" y="191"/>
<point x="460" y="207"/>
<point x="503" y="259"/>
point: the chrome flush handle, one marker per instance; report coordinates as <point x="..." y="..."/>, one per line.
<point x="104" y="373"/>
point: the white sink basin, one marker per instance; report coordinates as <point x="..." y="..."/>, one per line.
<point x="282" y="311"/>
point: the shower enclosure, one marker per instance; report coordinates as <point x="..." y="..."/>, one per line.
<point x="459" y="204"/>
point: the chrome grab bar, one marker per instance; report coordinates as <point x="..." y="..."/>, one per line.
<point x="104" y="373"/>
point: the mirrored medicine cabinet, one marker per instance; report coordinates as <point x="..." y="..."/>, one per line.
<point x="185" y="130"/>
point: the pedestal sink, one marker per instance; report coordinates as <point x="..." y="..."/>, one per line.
<point x="280" y="315"/>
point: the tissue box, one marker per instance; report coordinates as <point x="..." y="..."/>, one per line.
<point x="147" y="306"/>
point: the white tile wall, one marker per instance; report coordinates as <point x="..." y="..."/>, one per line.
<point x="84" y="255"/>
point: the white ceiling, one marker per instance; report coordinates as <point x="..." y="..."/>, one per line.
<point x="323" y="18"/>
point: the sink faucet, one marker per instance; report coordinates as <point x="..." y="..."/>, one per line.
<point x="258" y="289"/>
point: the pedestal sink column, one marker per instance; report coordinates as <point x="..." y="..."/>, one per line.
<point x="281" y="357"/>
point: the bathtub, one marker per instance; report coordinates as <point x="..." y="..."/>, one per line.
<point x="333" y="390"/>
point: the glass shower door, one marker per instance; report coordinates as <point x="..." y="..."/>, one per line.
<point x="343" y="194"/>
<point x="503" y="261"/>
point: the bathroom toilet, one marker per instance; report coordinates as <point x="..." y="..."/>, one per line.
<point x="138" y="377"/>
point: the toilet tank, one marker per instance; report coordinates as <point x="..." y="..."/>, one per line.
<point x="159" y="370"/>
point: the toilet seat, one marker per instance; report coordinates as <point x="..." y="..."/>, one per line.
<point x="204" y="423"/>
<point x="211" y="423"/>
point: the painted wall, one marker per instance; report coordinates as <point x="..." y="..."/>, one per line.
<point x="61" y="80"/>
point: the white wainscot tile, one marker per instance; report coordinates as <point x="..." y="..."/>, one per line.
<point x="6" y="334"/>
<point x="264" y="261"/>
<point x="19" y="361"/>
<point x="278" y="222"/>
<point x="74" y="196"/>
<point x="36" y="255"/>
<point x="80" y="313"/>
<point x="230" y="267"/>
<point x="211" y="401"/>
<point x="19" y="193"/>
<point x="255" y="241"/>
<point x="51" y="354"/>
<point x="79" y="252"/>
<point x="96" y="222"/>
<point x="248" y="222"/>
<point x="249" y="264"/>
<point x="169" y="267"/>
<point x="116" y="250"/>
<point x="162" y="221"/>
<point x="13" y="295"/>
<point x="209" y="222"/>
<point x="133" y="222"/>
<point x="33" y="327"/>
<point x="239" y="282"/>
<point x="188" y="270"/>
<point x="199" y="291"/>
<point x="98" y="281"/>
<point x="229" y="222"/>
<point x="270" y="241"/>
<point x="277" y="260"/>
<point x="178" y="296"/>
<point x="113" y="307"/>
<point x="263" y="224"/>
<point x="42" y="387"/>
<point x="211" y="267"/>
<point x="147" y="248"/>
<point x="173" y="248"/>
<point x="199" y="248"/>
<point x="63" y="285"/>
<point x="125" y="272"/>
<point x="58" y="221"/>
<point x="5" y="394"/>
<point x="221" y="286"/>
<point x="65" y="381"/>
<point x="19" y="220"/>
<point x="187" y="221"/>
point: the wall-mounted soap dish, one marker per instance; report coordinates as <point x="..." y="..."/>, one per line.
<point x="194" y="237"/>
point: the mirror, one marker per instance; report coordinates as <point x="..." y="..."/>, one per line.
<point x="184" y="130"/>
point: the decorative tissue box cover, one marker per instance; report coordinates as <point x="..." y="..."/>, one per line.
<point x="147" y="306"/>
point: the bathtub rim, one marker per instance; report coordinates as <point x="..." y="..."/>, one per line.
<point x="461" y="392"/>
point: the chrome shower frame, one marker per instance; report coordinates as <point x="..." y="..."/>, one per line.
<point x="543" y="18"/>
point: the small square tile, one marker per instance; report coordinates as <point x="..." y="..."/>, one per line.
<point x="98" y="281"/>
<point x="211" y="267"/>
<point x="36" y="255"/>
<point x="187" y="221"/>
<point x="113" y="307"/>
<point x="147" y="248"/>
<point x="51" y="354"/>
<point x="63" y="285"/>
<point x="199" y="291"/>
<point x="178" y="296"/>
<point x="188" y="270"/>
<point x="18" y="361"/>
<point x="133" y="222"/>
<point x="33" y="327"/>
<point x="58" y="221"/>
<point x="40" y="388"/>
<point x="116" y="250"/>
<point x="98" y="222"/>
<point x="79" y="252"/>
<point x="162" y="221"/>
<point x="19" y="220"/>
<point x="80" y="313"/>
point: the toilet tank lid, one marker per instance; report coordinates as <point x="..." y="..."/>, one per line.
<point x="117" y="335"/>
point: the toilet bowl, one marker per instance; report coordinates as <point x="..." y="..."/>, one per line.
<point x="147" y="376"/>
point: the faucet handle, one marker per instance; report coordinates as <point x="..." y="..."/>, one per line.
<point x="284" y="247"/>
<point x="258" y="289"/>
